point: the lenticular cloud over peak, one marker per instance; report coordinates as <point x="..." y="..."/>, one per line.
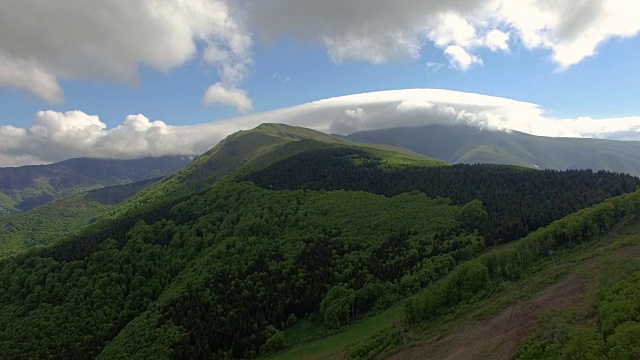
<point x="55" y="136"/>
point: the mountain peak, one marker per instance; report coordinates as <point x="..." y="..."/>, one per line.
<point x="290" y="132"/>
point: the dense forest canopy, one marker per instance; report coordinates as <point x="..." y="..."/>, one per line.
<point x="49" y="223"/>
<point x="296" y="229"/>
<point x="518" y="200"/>
<point x="219" y="269"/>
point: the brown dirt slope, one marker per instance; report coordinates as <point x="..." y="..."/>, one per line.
<point x="499" y="336"/>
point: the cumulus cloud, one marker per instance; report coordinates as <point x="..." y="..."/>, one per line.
<point x="353" y="119"/>
<point x="218" y="93"/>
<point x="55" y="136"/>
<point x="379" y="30"/>
<point x="460" y="59"/>
<point x="497" y="40"/>
<point x="110" y="40"/>
<point x="572" y="30"/>
<point x="44" y="42"/>
<point x="451" y="28"/>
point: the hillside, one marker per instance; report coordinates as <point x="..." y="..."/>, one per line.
<point x="280" y="236"/>
<point x="27" y="187"/>
<point x="250" y="150"/>
<point x="61" y="218"/>
<point x="243" y="152"/>
<point x="572" y="302"/>
<point x="518" y="200"/>
<point x="470" y="145"/>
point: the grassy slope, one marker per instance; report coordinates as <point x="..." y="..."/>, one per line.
<point x="334" y="346"/>
<point x="61" y="218"/>
<point x="8" y="205"/>
<point x="485" y="154"/>
<point x="249" y="150"/>
<point x="495" y="326"/>
<point x="460" y="144"/>
<point x="241" y="152"/>
<point x="600" y="263"/>
<point x="48" y="223"/>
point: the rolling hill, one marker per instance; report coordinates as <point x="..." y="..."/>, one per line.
<point x="250" y="150"/>
<point x="27" y="187"/>
<point x="281" y="238"/>
<point x="241" y="152"/>
<point x="62" y="217"/>
<point x="471" y="145"/>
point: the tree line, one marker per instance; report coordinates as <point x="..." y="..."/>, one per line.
<point x="518" y="200"/>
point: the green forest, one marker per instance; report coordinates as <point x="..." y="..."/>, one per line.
<point x="61" y="218"/>
<point x="518" y="200"/>
<point x="611" y="330"/>
<point x="222" y="267"/>
<point x="228" y="264"/>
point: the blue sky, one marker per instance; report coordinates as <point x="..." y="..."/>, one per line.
<point x="601" y="86"/>
<point x="63" y="89"/>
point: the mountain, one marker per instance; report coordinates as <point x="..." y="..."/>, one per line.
<point x="62" y="218"/>
<point x="250" y="150"/>
<point x="281" y="237"/>
<point x="240" y="152"/>
<point x="268" y="143"/>
<point x="27" y="187"/>
<point x="470" y="145"/>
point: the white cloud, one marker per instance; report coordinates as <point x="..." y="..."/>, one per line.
<point x="110" y="40"/>
<point x="43" y="42"/>
<point x="28" y="76"/>
<point x="353" y="119"/>
<point x="52" y="136"/>
<point x="357" y="113"/>
<point x="572" y="30"/>
<point x="451" y="28"/>
<point x="55" y="136"/>
<point x="497" y="40"/>
<point x="377" y="49"/>
<point x="219" y="94"/>
<point x="460" y="59"/>
<point x="378" y="30"/>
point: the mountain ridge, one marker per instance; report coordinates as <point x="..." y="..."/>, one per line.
<point x="240" y="153"/>
<point x="466" y="144"/>
<point x="24" y="188"/>
<point x="221" y="259"/>
<point x="248" y="150"/>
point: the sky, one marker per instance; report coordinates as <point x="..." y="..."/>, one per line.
<point x="123" y="79"/>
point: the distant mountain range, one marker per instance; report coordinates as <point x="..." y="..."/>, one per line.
<point x="469" y="145"/>
<point x="23" y="188"/>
